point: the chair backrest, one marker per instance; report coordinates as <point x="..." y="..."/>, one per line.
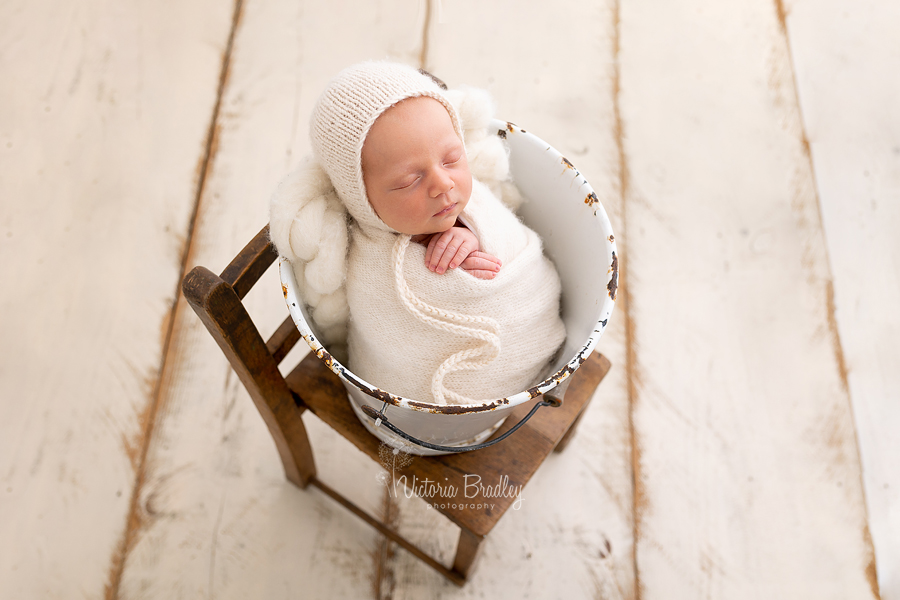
<point x="217" y="300"/>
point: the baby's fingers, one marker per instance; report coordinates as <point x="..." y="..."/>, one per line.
<point x="454" y="254"/>
<point x="449" y="251"/>
<point x="430" y="250"/>
<point x="483" y="258"/>
<point x="482" y="262"/>
<point x="434" y="253"/>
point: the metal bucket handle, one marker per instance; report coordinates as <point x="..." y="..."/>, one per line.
<point x="552" y="398"/>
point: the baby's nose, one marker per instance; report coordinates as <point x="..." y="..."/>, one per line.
<point x="441" y="183"/>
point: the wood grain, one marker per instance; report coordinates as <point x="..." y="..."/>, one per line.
<point x="746" y="454"/>
<point x="103" y="119"/>
<point x="844" y="56"/>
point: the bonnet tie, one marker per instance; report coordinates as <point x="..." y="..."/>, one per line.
<point x="481" y="328"/>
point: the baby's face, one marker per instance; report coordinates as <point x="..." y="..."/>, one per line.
<point x="415" y="168"/>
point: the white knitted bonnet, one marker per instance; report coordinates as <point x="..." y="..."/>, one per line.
<point x="346" y="111"/>
<point x="308" y="212"/>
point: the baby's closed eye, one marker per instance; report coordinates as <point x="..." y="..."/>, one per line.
<point x="405" y="183"/>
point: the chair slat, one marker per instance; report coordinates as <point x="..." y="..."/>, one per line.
<point x="250" y="264"/>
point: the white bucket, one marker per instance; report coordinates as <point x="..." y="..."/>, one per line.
<point x="562" y="208"/>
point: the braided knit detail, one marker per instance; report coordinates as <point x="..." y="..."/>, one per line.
<point x="470" y="359"/>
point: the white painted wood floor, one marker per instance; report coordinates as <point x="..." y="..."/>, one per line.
<point x="743" y="446"/>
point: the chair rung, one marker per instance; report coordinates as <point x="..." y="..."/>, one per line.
<point x="283" y="340"/>
<point x="392" y="535"/>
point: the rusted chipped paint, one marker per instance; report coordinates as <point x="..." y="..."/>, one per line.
<point x="502" y="133"/>
<point x="376" y="393"/>
<point x="326" y="358"/>
<point x="568" y="164"/>
<point x="284" y="289"/>
<point x="613" y="284"/>
<point x="510" y="126"/>
<point x="382" y="396"/>
<point x="562" y="374"/>
<point x="454" y="409"/>
<point x="591" y="199"/>
<point x="559" y="376"/>
<point x="612" y="239"/>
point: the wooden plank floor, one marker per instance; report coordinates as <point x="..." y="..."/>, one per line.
<point x="104" y="117"/>
<point x="743" y="444"/>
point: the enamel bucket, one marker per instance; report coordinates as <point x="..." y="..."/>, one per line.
<point x="563" y="209"/>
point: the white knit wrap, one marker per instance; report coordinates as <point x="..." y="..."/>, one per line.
<point x="452" y="338"/>
<point x="309" y="224"/>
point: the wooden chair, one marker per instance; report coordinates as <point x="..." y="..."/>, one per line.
<point x="312" y="386"/>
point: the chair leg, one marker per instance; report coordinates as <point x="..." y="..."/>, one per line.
<point x="589" y="378"/>
<point x="466" y="552"/>
<point x="295" y="451"/>
<point x="567" y="436"/>
<point x="221" y="310"/>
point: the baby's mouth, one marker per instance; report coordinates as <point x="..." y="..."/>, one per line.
<point x="446" y="211"/>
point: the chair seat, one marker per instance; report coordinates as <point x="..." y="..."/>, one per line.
<point x="503" y="468"/>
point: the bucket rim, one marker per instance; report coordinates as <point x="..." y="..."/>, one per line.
<point x="289" y="286"/>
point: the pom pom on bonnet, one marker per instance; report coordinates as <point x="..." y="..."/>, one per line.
<point x="308" y="211"/>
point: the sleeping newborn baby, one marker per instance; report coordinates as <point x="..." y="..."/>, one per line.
<point x="440" y="292"/>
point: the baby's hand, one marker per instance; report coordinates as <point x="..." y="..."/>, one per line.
<point x="458" y="247"/>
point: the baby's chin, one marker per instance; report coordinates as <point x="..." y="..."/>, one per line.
<point x="431" y="229"/>
<point x="447" y="221"/>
